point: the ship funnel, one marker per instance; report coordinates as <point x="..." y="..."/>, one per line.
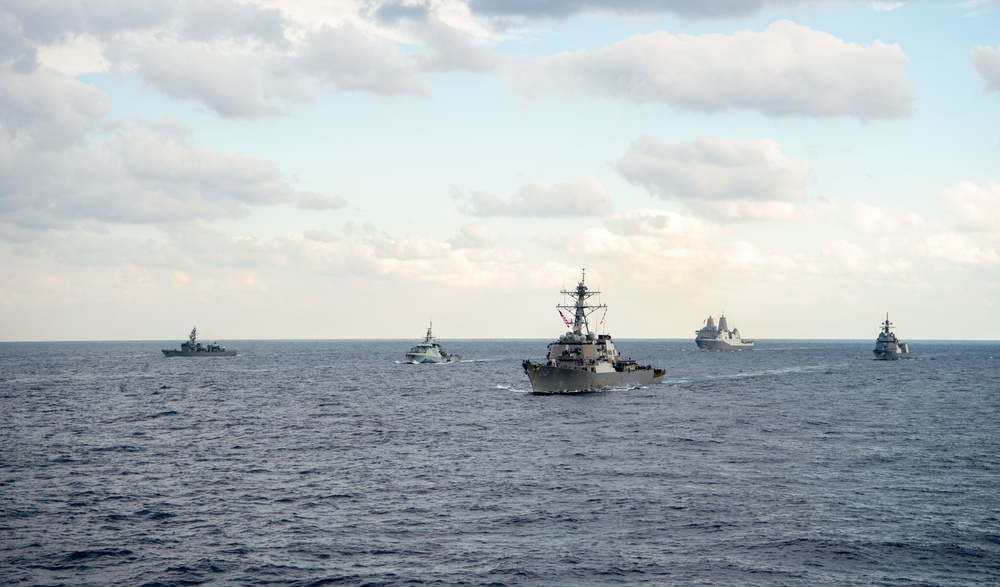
<point x="710" y="325"/>
<point x="723" y="325"/>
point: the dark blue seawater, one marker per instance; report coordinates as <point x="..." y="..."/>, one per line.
<point x="329" y="463"/>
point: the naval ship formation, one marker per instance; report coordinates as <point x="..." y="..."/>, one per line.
<point x="579" y="360"/>
<point x="720" y="338"/>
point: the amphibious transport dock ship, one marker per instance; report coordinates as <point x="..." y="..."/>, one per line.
<point x="888" y="347"/>
<point x="430" y="351"/>
<point x="582" y="361"/>
<point x="193" y="348"/>
<point x="720" y="338"/>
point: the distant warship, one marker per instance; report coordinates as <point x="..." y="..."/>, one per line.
<point x="887" y="346"/>
<point x="712" y="338"/>
<point x="430" y="351"/>
<point x="582" y="361"/>
<point x="193" y="348"/>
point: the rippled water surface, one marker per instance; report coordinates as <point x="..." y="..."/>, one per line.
<point x="331" y="463"/>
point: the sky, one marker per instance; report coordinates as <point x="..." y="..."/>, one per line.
<point x="301" y="169"/>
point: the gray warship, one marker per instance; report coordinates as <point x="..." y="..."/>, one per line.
<point x="720" y="338"/>
<point x="888" y="347"/>
<point x="430" y="351"/>
<point x="581" y="361"/>
<point x="193" y="348"/>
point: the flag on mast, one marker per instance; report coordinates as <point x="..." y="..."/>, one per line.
<point x="564" y="319"/>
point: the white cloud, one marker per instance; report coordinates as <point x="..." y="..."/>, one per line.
<point x="47" y="110"/>
<point x="976" y="207"/>
<point x="872" y="220"/>
<point x="960" y="248"/>
<point x="346" y="59"/>
<point x="580" y="196"/>
<point x="317" y="201"/>
<point x="231" y="84"/>
<point x="736" y="211"/>
<point x="231" y="19"/>
<point x="887" y="5"/>
<point x="986" y="61"/>
<point x="448" y="48"/>
<point x="149" y="174"/>
<point x="239" y="59"/>
<point x="786" y="69"/>
<point x="851" y="256"/>
<point x="652" y="223"/>
<point x="79" y="54"/>
<point x="475" y="236"/>
<point x="736" y="180"/>
<point x="566" y="8"/>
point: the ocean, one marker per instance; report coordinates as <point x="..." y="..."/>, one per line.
<point x="309" y="463"/>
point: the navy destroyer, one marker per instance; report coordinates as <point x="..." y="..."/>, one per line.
<point x="720" y="338"/>
<point x="193" y="348"/>
<point x="430" y="351"/>
<point x="579" y="360"/>
<point x="888" y="347"/>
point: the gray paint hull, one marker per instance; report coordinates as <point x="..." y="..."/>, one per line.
<point x="176" y="353"/>
<point x="547" y="379"/>
<point x="890" y="355"/>
<point x="419" y="359"/>
<point x="711" y="344"/>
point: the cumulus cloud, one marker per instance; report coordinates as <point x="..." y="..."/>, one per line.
<point x="786" y="69"/>
<point x="346" y="59"/>
<point x="51" y="21"/>
<point x="238" y="59"/>
<point x="749" y="179"/>
<point x="652" y="223"/>
<point x="231" y="85"/>
<point x="317" y="201"/>
<point x="566" y="8"/>
<point x="230" y="19"/>
<point x="872" y="220"/>
<point x="580" y="196"/>
<point x="976" y="207"/>
<point x="148" y="174"/>
<point x="475" y="236"/>
<point x="901" y="239"/>
<point x="986" y="61"/>
<point x="447" y="48"/>
<point x="393" y="11"/>
<point x="851" y="256"/>
<point x="960" y="248"/>
<point x="16" y="52"/>
<point x="47" y="110"/>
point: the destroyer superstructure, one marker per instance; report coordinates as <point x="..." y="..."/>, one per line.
<point x="581" y="360"/>
<point x="193" y="348"/>
<point x="719" y="338"/>
<point x="887" y="346"/>
<point x="430" y="351"/>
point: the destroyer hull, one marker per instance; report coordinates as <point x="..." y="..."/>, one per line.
<point x="723" y="345"/>
<point x="176" y="353"/>
<point x="548" y="379"/>
<point x="419" y="359"/>
<point x="890" y="355"/>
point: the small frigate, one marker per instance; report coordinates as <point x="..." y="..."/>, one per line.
<point x="720" y="338"/>
<point x="430" y="351"/>
<point x="579" y="360"/>
<point x="887" y="346"/>
<point x="193" y="348"/>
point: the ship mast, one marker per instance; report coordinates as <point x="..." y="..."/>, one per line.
<point x="580" y="308"/>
